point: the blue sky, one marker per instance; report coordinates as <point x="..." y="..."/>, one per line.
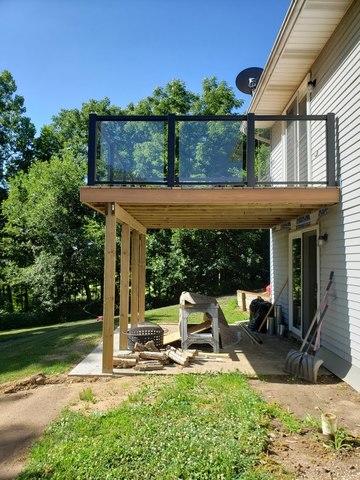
<point x="63" y="52"/>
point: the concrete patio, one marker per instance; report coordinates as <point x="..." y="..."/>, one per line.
<point x="246" y="357"/>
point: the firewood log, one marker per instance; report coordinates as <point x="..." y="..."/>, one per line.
<point x="126" y="355"/>
<point x="177" y="357"/>
<point x="151" y="347"/>
<point x="148" y="366"/>
<point x="124" y="362"/>
<point x="160" y="356"/>
<point x="139" y="347"/>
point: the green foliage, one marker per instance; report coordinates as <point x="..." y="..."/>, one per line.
<point x="55" y="232"/>
<point x="288" y="419"/>
<point x="16" y="130"/>
<point x="52" y="246"/>
<point x="211" y="262"/>
<point x="206" y="426"/>
<point x="87" y="395"/>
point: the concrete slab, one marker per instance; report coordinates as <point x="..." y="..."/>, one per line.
<point x="245" y="357"/>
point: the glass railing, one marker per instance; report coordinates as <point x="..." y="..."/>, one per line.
<point x="238" y="150"/>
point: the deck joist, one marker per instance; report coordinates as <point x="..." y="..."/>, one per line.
<point x="215" y="208"/>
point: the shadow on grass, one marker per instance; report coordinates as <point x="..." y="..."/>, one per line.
<point x="52" y="348"/>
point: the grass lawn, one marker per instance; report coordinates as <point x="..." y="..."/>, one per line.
<point x="56" y="348"/>
<point x="171" y="314"/>
<point x="186" y="427"/>
<point x="48" y="349"/>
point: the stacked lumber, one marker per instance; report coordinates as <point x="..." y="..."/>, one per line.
<point x="147" y="357"/>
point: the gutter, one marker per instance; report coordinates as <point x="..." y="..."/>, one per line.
<point x="277" y="49"/>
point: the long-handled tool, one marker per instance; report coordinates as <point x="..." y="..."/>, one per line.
<point x="272" y="306"/>
<point x="301" y="363"/>
<point x="254" y="337"/>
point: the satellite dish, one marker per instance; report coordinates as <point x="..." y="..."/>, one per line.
<point x="248" y="79"/>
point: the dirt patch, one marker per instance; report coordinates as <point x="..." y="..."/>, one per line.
<point x="109" y="394"/>
<point x="307" y="457"/>
<point x="39" y="379"/>
<point x="304" y="399"/>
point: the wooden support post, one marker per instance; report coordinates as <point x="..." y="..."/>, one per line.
<point x="134" y="278"/>
<point x="109" y="289"/>
<point x="124" y="285"/>
<point x="243" y="301"/>
<point x="142" y="277"/>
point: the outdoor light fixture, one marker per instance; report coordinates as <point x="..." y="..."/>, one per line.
<point x="322" y="239"/>
<point x="311" y="85"/>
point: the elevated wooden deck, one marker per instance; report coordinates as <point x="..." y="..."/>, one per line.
<point x="208" y="208"/>
<point x="140" y="208"/>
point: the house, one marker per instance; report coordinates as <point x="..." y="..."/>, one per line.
<point x="314" y="67"/>
<point x="289" y="165"/>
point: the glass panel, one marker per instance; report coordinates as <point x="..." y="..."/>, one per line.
<point x="303" y="143"/>
<point x="212" y="151"/>
<point x="317" y="151"/>
<point x="130" y="151"/>
<point x="291" y="160"/>
<point x="277" y="165"/>
<point x="262" y="153"/>
<point x="296" y="282"/>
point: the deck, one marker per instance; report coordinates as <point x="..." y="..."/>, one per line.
<point x="210" y="208"/>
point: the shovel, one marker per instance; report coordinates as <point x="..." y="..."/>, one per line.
<point x="301" y="363"/>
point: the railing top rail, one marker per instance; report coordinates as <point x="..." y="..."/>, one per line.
<point x="279" y="118"/>
<point x="206" y="118"/>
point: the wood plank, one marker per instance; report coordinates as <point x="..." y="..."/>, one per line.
<point x="142" y="277"/>
<point x="123" y="216"/>
<point x="210" y="196"/>
<point x="109" y="289"/>
<point x="124" y="285"/>
<point x="197" y="328"/>
<point x="134" y="315"/>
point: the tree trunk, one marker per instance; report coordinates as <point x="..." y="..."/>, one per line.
<point x="9" y="299"/>
<point x="87" y="292"/>
<point x="26" y="300"/>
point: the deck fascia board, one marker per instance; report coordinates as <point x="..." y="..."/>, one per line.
<point x="282" y="196"/>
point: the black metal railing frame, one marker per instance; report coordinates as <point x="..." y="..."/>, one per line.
<point x="250" y="119"/>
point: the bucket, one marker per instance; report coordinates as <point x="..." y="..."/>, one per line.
<point x="328" y="424"/>
<point x="281" y="329"/>
<point x="278" y="313"/>
<point x="271" y="326"/>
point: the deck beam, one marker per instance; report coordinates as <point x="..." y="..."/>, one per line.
<point x="142" y="277"/>
<point x="134" y="307"/>
<point x="124" y="285"/>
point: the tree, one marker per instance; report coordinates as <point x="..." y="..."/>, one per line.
<point x="53" y="245"/>
<point x="60" y="243"/>
<point x="16" y="130"/>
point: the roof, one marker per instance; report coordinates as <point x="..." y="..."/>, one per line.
<point x="307" y="27"/>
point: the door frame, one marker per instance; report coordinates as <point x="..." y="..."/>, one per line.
<point x="292" y="235"/>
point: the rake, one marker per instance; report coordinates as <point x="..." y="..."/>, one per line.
<point x="301" y="363"/>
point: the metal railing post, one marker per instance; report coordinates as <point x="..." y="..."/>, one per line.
<point x="91" y="149"/>
<point x="171" y="151"/>
<point x="330" y="150"/>
<point x="250" y="150"/>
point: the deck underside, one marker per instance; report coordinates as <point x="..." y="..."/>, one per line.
<point x="216" y="208"/>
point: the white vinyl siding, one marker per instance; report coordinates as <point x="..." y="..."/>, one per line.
<point x="279" y="268"/>
<point x="337" y="74"/>
<point x="338" y="90"/>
